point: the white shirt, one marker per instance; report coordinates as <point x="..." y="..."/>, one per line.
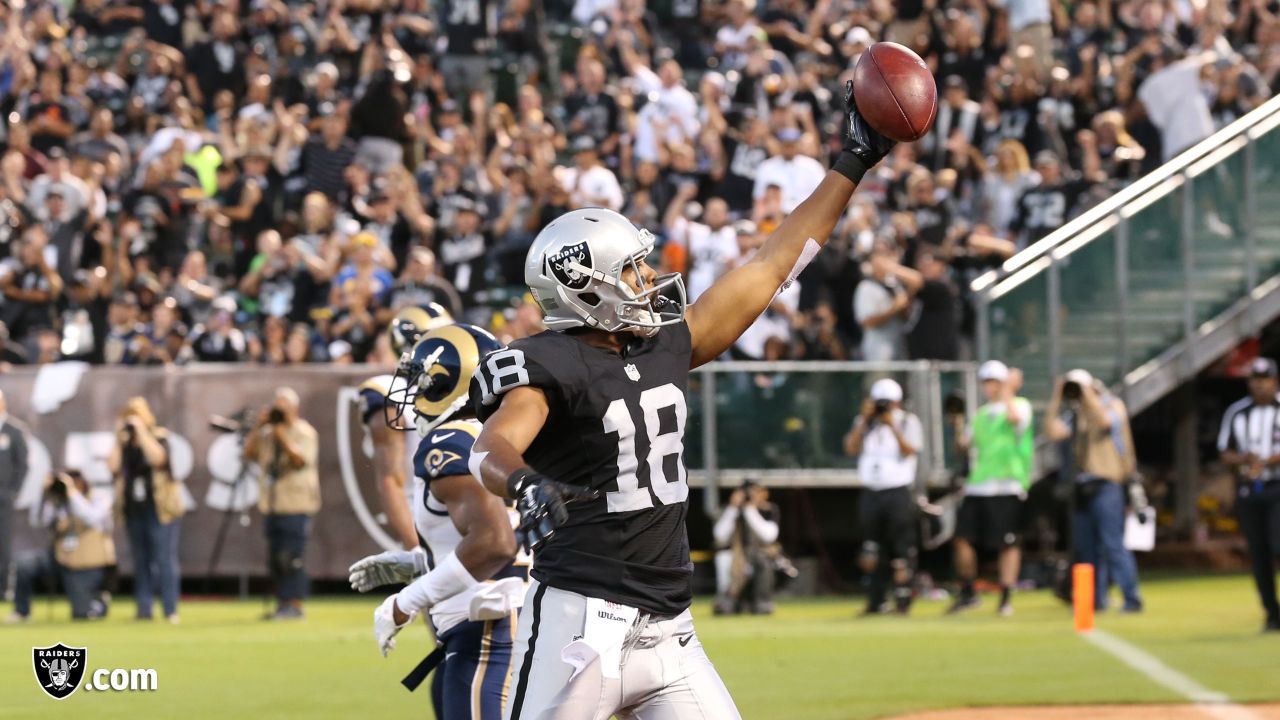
<point x="770" y="324"/>
<point x="735" y="42"/>
<point x="881" y="465"/>
<point x="1176" y="106"/>
<point x="884" y="342"/>
<point x="674" y="108"/>
<point x="711" y="253"/>
<point x="597" y="187"/>
<point x="1023" y="13"/>
<point x="798" y="178"/>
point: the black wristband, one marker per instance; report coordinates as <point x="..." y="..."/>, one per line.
<point x="517" y="480"/>
<point x="850" y="166"/>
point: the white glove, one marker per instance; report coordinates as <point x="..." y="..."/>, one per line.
<point x="387" y="568"/>
<point x="385" y="627"/>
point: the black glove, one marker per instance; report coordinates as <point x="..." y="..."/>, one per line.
<point x="541" y="503"/>
<point x="864" y="146"/>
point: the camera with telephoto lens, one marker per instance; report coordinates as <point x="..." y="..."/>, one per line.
<point x="57" y="490"/>
<point x="1071" y="391"/>
<point x="882" y="407"/>
<point x="276" y="416"/>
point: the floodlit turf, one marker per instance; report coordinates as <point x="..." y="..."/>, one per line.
<point x="812" y="661"/>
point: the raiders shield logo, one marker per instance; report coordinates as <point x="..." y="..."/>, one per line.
<point x="59" y="669"/>
<point x="559" y="265"/>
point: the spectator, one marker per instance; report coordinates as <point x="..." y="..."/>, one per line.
<point x="285" y="446"/>
<point x="151" y="500"/>
<point x="30" y="286"/>
<point x="797" y="175"/>
<point x="125" y="338"/>
<point x="589" y="183"/>
<point x="746" y="538"/>
<point x="934" y="332"/>
<point x="880" y="303"/>
<point x="887" y="441"/>
<point x="219" y="340"/>
<point x="420" y="285"/>
<point x="81" y="550"/>
<point x="463" y="251"/>
<point x="710" y="247"/>
<point x="1003" y="188"/>
<point x="326" y="156"/>
<point x="1046" y="206"/>
<point x="1096" y="424"/>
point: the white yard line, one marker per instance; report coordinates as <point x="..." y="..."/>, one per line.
<point x="1210" y="702"/>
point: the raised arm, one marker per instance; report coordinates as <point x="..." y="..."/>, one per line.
<point x="729" y="306"/>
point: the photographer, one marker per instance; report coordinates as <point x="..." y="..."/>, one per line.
<point x="80" y="517"/>
<point x="886" y="440"/>
<point x="1096" y="424"/>
<point x="1250" y="445"/>
<point x="285" y="447"/>
<point x="746" y="540"/>
<point x="1002" y="446"/>
<point x="151" y="500"/>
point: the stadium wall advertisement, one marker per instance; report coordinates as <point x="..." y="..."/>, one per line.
<point x="70" y="410"/>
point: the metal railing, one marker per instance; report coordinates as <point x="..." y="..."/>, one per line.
<point x="783" y="423"/>
<point x="1137" y="280"/>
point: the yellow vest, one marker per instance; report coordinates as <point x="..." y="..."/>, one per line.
<point x="296" y="491"/>
<point x="80" y="547"/>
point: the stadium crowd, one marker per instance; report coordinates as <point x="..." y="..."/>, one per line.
<point x="269" y="181"/>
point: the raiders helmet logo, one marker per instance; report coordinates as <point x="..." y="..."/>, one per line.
<point x="560" y="265"/>
<point x="59" y="669"/>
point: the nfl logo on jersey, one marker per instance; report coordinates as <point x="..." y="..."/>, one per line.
<point x="632" y="372"/>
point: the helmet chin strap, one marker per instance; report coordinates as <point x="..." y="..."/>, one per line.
<point x="649" y="326"/>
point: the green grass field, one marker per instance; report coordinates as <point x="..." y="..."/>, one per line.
<point x="813" y="660"/>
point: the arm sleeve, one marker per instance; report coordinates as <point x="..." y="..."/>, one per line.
<point x="766" y="530"/>
<point x="1227" y="438"/>
<point x="914" y="432"/>
<point x="93" y="510"/>
<point x="19" y="458"/>
<point x="723" y="529"/>
<point x="524" y="363"/>
<point x="443" y="453"/>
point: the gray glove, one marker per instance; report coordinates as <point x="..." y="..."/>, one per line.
<point x="393" y="567"/>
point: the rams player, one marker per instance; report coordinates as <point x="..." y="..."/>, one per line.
<point x="584" y="426"/>
<point x="471" y="581"/>
<point x="388" y="445"/>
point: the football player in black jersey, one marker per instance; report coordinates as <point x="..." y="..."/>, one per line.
<point x="584" y="427"/>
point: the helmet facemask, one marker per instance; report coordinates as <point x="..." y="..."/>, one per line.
<point x="644" y="312"/>
<point x="407" y="384"/>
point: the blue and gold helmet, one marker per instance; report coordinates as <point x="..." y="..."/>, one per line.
<point x="410" y="323"/>
<point x="432" y="380"/>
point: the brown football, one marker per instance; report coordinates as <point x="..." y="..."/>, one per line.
<point x="895" y="91"/>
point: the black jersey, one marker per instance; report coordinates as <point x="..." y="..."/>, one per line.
<point x="616" y="424"/>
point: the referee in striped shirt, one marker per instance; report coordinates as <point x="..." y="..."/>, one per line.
<point x="1250" y="446"/>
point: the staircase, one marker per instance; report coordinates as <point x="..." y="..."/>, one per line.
<point x="1155" y="283"/>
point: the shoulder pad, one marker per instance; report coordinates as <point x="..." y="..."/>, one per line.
<point x="445" y="451"/>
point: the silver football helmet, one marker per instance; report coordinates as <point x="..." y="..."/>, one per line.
<point x="574" y="270"/>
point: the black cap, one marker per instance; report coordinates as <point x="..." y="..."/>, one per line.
<point x="583" y="143"/>
<point x="55" y="153"/>
<point x="1262" y="367"/>
<point x="449" y="106"/>
<point x="125" y="298"/>
<point x="954" y="81"/>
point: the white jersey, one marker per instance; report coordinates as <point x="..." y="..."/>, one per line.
<point x="445" y="452"/>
